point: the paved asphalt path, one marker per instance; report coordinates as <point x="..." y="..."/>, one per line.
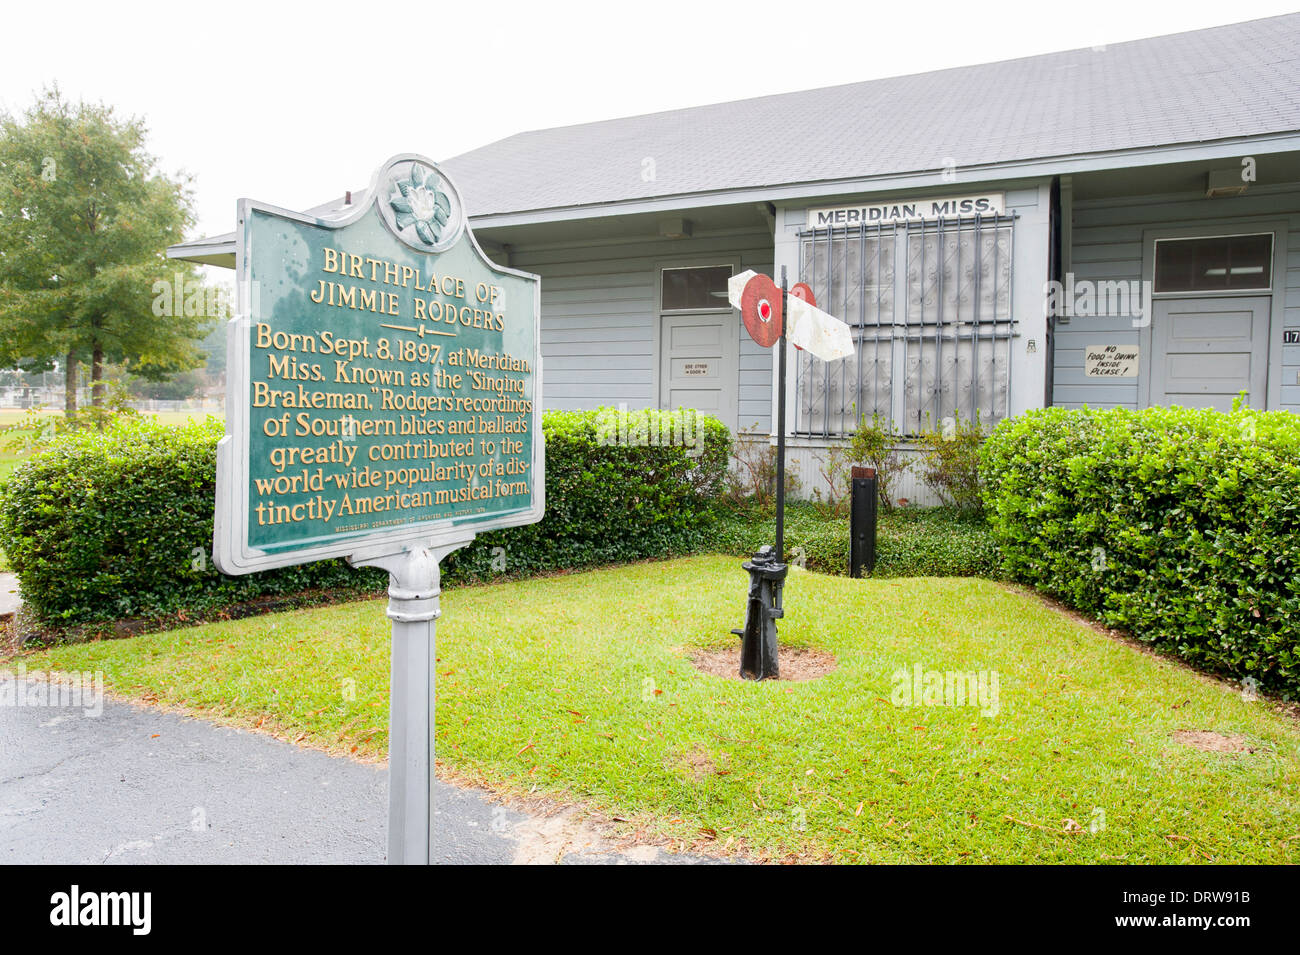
<point x="138" y="785"/>
<point x="10" y="597"/>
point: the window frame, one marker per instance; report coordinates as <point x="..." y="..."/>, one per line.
<point x="1198" y="293"/>
<point x="724" y="306"/>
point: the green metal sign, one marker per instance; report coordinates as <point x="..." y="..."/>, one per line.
<point x="384" y="381"/>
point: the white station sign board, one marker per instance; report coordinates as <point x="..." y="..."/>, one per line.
<point x="894" y="211"/>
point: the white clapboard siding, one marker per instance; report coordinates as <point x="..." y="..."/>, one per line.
<point x="600" y="315"/>
<point x="1108" y="245"/>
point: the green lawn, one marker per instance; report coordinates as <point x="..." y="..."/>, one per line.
<point x="8" y="461"/>
<point x="579" y="686"/>
<point x="9" y="458"/>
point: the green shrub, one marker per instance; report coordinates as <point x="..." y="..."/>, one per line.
<point x="950" y="463"/>
<point x="119" y="524"/>
<point x="752" y="476"/>
<point x="874" y="444"/>
<point x="835" y="467"/>
<point x="617" y="490"/>
<point x="1180" y="526"/>
<point x="910" y="542"/>
<point x="113" y="524"/>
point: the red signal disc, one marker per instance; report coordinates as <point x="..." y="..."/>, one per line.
<point x="760" y="307"/>
<point x="804" y="291"/>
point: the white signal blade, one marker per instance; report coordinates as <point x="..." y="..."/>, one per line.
<point x="736" y="286"/>
<point x="817" y="332"/>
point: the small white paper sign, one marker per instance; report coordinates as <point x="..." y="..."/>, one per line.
<point x="1110" y="361"/>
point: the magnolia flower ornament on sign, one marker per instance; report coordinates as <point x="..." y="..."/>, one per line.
<point x="418" y="202"/>
<point x="422" y="208"/>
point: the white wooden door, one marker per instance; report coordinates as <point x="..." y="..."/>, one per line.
<point x="1205" y="351"/>
<point x="700" y="364"/>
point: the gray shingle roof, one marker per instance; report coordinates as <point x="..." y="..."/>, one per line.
<point x="1220" y="83"/>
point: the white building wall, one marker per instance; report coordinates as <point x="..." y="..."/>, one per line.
<point x="601" y="318"/>
<point x="1112" y="240"/>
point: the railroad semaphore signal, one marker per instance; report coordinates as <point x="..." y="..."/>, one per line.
<point x="773" y="316"/>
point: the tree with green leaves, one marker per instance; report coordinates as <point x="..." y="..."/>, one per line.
<point x="85" y="221"/>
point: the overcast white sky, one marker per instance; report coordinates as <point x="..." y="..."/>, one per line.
<point x="292" y="103"/>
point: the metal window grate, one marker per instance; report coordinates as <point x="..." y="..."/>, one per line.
<point x="931" y="346"/>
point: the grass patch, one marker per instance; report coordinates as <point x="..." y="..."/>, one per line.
<point x="579" y="686"/>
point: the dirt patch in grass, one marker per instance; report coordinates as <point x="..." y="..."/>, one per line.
<point x="698" y="764"/>
<point x="558" y="826"/>
<point x="1209" y="741"/>
<point x="796" y="664"/>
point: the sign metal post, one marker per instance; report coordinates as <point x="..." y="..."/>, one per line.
<point x="413" y="591"/>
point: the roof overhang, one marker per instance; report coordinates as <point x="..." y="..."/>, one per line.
<point x="220" y="250"/>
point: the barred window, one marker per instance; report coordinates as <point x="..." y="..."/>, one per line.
<point x="934" y="346"/>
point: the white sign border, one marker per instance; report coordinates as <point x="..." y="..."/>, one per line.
<point x="230" y="550"/>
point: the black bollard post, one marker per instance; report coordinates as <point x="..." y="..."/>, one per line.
<point x="862" y="521"/>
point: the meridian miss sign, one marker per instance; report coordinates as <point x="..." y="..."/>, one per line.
<point x="384" y="381"/>
<point x="907" y="210"/>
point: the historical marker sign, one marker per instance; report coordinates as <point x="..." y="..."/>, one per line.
<point x="383" y="404"/>
<point x="384" y="381"/>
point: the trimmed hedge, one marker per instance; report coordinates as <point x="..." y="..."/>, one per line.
<point x="119" y="524"/>
<point x="617" y="489"/>
<point x="1180" y="526"/>
<point x="910" y="542"/>
<point x="116" y="524"/>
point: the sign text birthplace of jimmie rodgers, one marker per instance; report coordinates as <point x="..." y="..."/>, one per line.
<point x="384" y="379"/>
<point x="383" y="405"/>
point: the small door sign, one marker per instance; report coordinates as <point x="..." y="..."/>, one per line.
<point x="1111" y="361"/>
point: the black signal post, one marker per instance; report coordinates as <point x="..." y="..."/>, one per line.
<point x="767" y="568"/>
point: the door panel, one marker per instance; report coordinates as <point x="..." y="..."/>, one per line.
<point x="700" y="364"/>
<point x="1205" y="351"/>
